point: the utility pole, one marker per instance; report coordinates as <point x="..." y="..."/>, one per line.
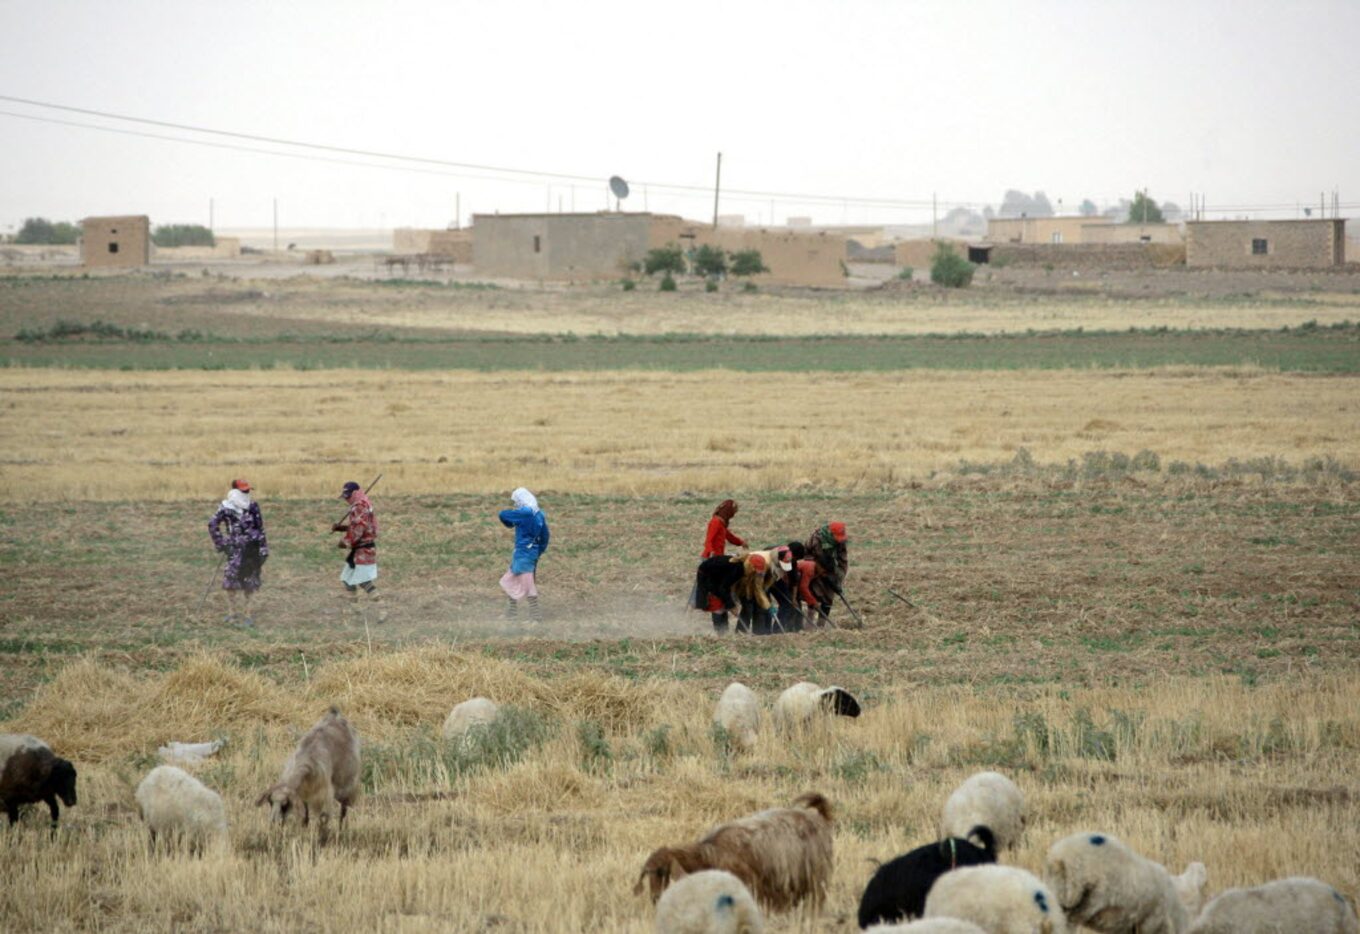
<point x="717" y="186"/>
<point x="934" y="217"/>
<point x="276" y="225"/>
<point x="457" y="210"/>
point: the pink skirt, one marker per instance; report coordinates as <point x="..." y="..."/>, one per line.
<point x="519" y="586"/>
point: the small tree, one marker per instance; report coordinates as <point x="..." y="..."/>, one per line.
<point x="41" y="230"/>
<point x="709" y="262"/>
<point x="1144" y="210"/>
<point x="748" y="263"/>
<point x="1088" y="208"/>
<point x="183" y="235"/>
<point x="949" y="269"/>
<point x="668" y="259"/>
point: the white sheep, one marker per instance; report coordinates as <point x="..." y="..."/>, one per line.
<point x="998" y="899"/>
<point x="991" y="800"/>
<point x="738" y="713"/>
<point x="1103" y="884"/>
<point x="177" y="807"/>
<point x="928" y="926"/>
<point x="1298" y="906"/>
<point x="709" y="902"/>
<point x="324" y="765"/>
<point x="797" y="706"/>
<point x="477" y="712"/>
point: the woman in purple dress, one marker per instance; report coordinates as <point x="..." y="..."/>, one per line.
<point x="237" y="530"/>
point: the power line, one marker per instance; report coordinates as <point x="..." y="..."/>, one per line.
<point x="517" y="175"/>
<point x="401" y="157"/>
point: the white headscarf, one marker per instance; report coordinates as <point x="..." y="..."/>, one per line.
<point x="524" y="499"/>
<point x="237" y="502"/>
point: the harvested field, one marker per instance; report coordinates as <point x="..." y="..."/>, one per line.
<point x="174" y="435"/>
<point x="1130" y="585"/>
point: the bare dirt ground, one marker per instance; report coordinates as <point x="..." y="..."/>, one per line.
<point x="309" y="303"/>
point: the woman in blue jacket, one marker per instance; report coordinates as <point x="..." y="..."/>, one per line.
<point x="531" y="540"/>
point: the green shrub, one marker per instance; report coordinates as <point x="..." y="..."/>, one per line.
<point x="905" y="273"/>
<point x="169" y="235"/>
<point x="709" y="262"/>
<point x="669" y="259"/>
<point x="41" y="230"/>
<point x="710" y="285"/>
<point x="748" y="286"/>
<point x="596" y="754"/>
<point x="667" y="283"/>
<point x="748" y="263"/>
<point x="949" y="269"/>
<point x="628" y="285"/>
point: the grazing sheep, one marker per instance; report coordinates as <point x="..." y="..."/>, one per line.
<point x="1103" y="884"/>
<point x="929" y="926"/>
<point x="998" y="899"/>
<point x="1190" y="888"/>
<point x="1298" y="906"/>
<point x="324" y="765"/>
<point x="986" y="799"/>
<point x="738" y="713"/>
<point x="479" y="711"/>
<point x="708" y="902"/>
<point x="799" y="704"/>
<point x="31" y="772"/>
<point x="782" y="855"/>
<point x="898" y="889"/>
<point x="178" y="806"/>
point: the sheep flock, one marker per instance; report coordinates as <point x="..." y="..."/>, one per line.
<point x="748" y="868"/>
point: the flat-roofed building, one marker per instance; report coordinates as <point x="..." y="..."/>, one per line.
<point x="1266" y="244"/>
<point x="115" y="241"/>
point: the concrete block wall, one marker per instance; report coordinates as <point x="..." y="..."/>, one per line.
<point x="1289" y="244"/>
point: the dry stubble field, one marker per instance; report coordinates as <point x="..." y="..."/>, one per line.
<point x="1160" y="652"/>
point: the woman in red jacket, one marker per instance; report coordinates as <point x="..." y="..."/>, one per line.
<point x="717" y="537"/>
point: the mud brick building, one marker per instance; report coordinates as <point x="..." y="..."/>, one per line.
<point x="582" y="247"/>
<point x="1287" y="244"/>
<point x="115" y="241"/>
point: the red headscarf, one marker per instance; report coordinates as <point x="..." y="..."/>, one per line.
<point x="726" y="510"/>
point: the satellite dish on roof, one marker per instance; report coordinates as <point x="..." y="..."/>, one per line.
<point x="619" y="188"/>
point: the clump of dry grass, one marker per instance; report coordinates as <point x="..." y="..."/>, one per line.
<point x="99" y="712"/>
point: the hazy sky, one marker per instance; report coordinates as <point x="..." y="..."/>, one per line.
<point x="1251" y="103"/>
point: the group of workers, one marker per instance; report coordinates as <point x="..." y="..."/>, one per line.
<point x="781" y="588"/>
<point x="237" y="532"/>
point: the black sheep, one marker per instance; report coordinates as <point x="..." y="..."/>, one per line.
<point x="32" y="772"/>
<point x="898" y="890"/>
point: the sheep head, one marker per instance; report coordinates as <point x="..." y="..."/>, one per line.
<point x="661" y="869"/>
<point x="282" y="801"/>
<point x="63" y="781"/>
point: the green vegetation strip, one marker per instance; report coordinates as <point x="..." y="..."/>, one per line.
<point x="1307" y="348"/>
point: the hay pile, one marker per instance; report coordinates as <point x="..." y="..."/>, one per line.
<point x="93" y="711"/>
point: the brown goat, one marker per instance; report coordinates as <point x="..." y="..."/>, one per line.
<point x="324" y="765"/>
<point x="782" y="855"/>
